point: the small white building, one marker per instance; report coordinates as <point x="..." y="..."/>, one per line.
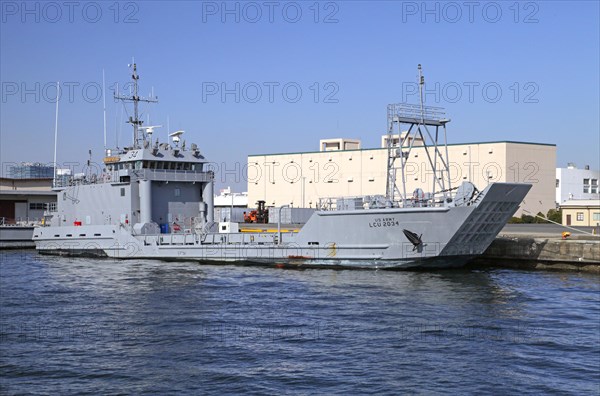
<point x="227" y="199"/>
<point x="230" y="207"/>
<point x="576" y="184"/>
<point x="336" y="144"/>
<point x="581" y="212"/>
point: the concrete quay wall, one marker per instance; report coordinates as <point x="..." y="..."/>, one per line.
<point x="531" y="252"/>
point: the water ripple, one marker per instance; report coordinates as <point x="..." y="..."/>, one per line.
<point x="79" y="326"/>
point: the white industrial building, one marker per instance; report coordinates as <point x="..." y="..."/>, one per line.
<point x="342" y="168"/>
<point x="573" y="183"/>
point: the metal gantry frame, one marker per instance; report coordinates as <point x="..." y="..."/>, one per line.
<point x="417" y="119"/>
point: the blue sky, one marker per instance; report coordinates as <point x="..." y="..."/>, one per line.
<point x="526" y="71"/>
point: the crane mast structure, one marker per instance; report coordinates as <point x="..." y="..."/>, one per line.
<point x="417" y="121"/>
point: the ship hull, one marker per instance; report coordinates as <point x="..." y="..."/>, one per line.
<point x="430" y="263"/>
<point x="16" y="237"/>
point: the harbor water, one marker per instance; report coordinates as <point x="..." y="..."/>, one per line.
<point x="77" y="326"/>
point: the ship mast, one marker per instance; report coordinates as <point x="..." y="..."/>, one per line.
<point x="421" y="83"/>
<point x="138" y="137"/>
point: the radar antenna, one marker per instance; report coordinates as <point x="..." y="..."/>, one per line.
<point x="149" y="130"/>
<point x="176" y="136"/>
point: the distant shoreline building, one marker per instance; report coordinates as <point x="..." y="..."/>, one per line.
<point x="343" y="168"/>
<point x="31" y="170"/>
<point x="24" y="200"/>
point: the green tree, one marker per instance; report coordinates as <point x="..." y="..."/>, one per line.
<point x="539" y="219"/>
<point x="555" y="215"/>
<point x="527" y="219"/>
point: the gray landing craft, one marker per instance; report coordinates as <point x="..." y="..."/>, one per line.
<point x="155" y="200"/>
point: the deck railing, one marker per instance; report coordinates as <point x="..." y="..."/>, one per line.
<point x="147" y="174"/>
<point x="20" y="221"/>
<point x="379" y="202"/>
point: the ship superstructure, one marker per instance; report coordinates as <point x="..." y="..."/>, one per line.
<point x="155" y="200"/>
<point x="143" y="187"/>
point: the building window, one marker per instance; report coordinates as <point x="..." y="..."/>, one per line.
<point x="579" y="216"/>
<point x="37" y="206"/>
<point x="594" y="186"/>
<point x="596" y="216"/>
<point x="177" y="192"/>
<point x="557" y="183"/>
<point x="122" y="191"/>
<point x="586" y="186"/>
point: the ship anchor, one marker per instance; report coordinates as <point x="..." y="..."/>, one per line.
<point x="413" y="238"/>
